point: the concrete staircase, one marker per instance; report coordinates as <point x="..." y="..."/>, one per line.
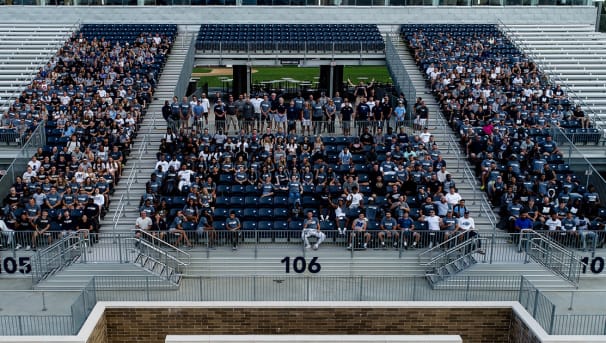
<point x="78" y="275"/>
<point x="143" y="157"/>
<point x="573" y="57"/>
<point x="468" y="186"/>
<point x="23" y="49"/>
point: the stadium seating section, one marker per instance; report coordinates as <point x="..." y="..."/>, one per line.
<point x="290" y="38"/>
<point x="92" y="105"/>
<point x="495" y="98"/>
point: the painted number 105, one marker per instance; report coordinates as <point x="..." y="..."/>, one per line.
<point x="299" y="265"/>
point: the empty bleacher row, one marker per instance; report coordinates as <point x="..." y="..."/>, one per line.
<point x="506" y="114"/>
<point x="91" y="109"/>
<point x="290" y="37"/>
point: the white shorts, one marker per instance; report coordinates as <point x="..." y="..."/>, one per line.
<point x="306" y="122"/>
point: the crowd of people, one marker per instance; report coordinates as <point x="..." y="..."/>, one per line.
<point x="91" y="95"/>
<point x="381" y="181"/>
<point x="507" y="113"/>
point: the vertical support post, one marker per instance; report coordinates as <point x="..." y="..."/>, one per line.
<point x="536" y="303"/>
<point x="552" y="319"/>
<point x="467" y="286"/>
<point x="201" y="289"/>
<point x="147" y="291"/>
<point x="361" y="286"/>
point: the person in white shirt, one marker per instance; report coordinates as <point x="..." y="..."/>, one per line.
<point x="355" y="199"/>
<point x="453" y="197"/>
<point x="425" y="135"/>
<point x="467" y="228"/>
<point x="311" y="228"/>
<point x="143" y="223"/>
<point x="434" y="223"/>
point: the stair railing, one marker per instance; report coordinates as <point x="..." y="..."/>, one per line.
<point x="171" y="266"/>
<point x="172" y="253"/>
<point x="58" y="255"/>
<point x="552" y="255"/>
<point x="451" y="250"/>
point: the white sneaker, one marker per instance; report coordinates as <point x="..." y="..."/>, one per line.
<point x="349" y="246"/>
<point x="307" y="246"/>
<point x="28" y="248"/>
<point x="382" y="244"/>
<point x="365" y="245"/>
<point x="18" y="247"/>
<point x="430" y="245"/>
<point x="414" y="245"/>
<point x="405" y="244"/>
<point x="316" y="247"/>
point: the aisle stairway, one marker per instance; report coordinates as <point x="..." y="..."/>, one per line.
<point x="467" y="184"/>
<point x="143" y="157"/>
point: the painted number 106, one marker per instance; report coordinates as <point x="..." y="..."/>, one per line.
<point x="299" y="265"/>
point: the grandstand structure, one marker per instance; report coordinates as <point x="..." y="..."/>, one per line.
<point x="85" y="97"/>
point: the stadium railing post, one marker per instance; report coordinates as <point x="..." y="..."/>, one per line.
<point x="552" y="319"/>
<point x="536" y="303"/>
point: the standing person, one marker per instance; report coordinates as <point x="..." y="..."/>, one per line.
<point x="167" y="114"/>
<point x="256" y="102"/>
<point x="143" y="223"/>
<point x="231" y="111"/>
<point x="197" y="111"/>
<point x="293" y="113"/>
<point x="205" y="107"/>
<point x="265" y="118"/>
<point x="421" y="115"/>
<point x="362" y="113"/>
<point x="347" y="111"/>
<point x="280" y="115"/>
<point x="175" y="114"/>
<point x="317" y="115"/>
<point x="387" y="110"/>
<point x="306" y="118"/>
<point x="185" y="113"/>
<point x="248" y="112"/>
<point x="311" y="228"/>
<point x="232" y="224"/>
<point x="220" y="115"/>
<point x="400" y="111"/>
<point x="330" y="115"/>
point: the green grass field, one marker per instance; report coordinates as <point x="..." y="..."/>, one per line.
<point x="310" y="74"/>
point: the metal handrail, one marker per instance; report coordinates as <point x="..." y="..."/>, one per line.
<point x="162" y="246"/>
<point x="438" y="247"/>
<point x="444" y="258"/>
<point x="540" y="248"/>
<point x="43" y="259"/>
<point x="548" y="72"/>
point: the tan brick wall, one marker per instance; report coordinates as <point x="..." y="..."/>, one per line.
<point x="99" y="334"/>
<point x="125" y="325"/>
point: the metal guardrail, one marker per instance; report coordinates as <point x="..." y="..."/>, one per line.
<point x="186" y="70"/>
<point x="398" y="71"/>
<point x="168" y="253"/>
<point x="552" y="255"/>
<point x="58" y="255"/>
<point x="36" y="139"/>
